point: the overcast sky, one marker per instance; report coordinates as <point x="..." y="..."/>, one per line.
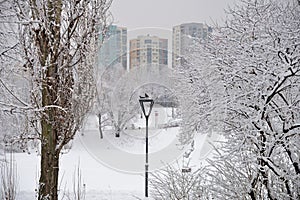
<point x="167" y="13"/>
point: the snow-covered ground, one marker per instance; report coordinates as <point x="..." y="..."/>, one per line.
<point x="111" y="168"/>
<point x="101" y="182"/>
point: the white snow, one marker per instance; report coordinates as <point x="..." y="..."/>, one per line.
<point x="112" y="168"/>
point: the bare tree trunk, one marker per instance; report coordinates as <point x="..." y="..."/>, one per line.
<point x="49" y="173"/>
<point x="100" y="125"/>
<point x="51" y="128"/>
<point x="51" y="123"/>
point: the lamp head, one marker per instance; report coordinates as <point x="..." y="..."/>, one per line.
<point x="146" y="105"/>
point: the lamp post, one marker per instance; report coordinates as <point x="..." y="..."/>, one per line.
<point x="146" y="104"/>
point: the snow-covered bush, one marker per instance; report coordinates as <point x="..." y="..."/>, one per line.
<point x="174" y="183"/>
<point x="8" y="178"/>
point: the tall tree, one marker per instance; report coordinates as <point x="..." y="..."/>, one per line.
<point x="58" y="41"/>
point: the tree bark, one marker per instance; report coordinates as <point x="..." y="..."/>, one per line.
<point x="48" y="183"/>
<point x="51" y="127"/>
<point x="50" y="121"/>
<point x="100" y="125"/>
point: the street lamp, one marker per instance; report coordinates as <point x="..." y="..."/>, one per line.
<point x="146" y="105"/>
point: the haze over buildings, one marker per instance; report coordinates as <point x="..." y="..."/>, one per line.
<point x="150" y="49"/>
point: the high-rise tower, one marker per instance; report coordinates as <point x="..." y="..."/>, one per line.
<point x="114" y="48"/>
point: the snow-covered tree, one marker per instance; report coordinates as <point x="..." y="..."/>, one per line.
<point x="119" y="91"/>
<point x="105" y="86"/>
<point x="195" y="82"/>
<point x="12" y="80"/>
<point x="56" y="42"/>
<point x="256" y="59"/>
